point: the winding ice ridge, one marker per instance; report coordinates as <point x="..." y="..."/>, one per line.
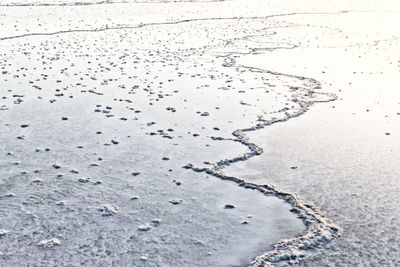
<point x="320" y="230"/>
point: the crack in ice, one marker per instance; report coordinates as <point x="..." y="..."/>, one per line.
<point x="141" y="25"/>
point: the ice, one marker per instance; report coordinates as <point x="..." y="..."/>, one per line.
<point x="160" y="104"/>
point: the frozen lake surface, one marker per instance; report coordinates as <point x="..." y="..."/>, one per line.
<point x="197" y="133"/>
